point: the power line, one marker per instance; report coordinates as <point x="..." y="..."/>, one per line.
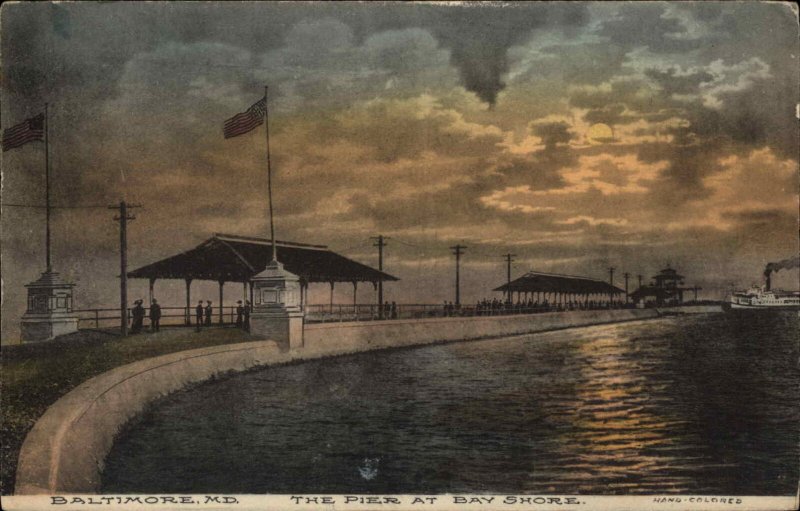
<point x="380" y="242"/>
<point x="457" y="251"/>
<point x="123" y="218"/>
<point x="509" y="259"/>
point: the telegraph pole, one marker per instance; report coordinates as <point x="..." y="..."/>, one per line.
<point x="611" y="281"/>
<point x="457" y="251"/>
<point x="627" y="276"/>
<point x="380" y="242"/>
<point x="122" y="217"/>
<point x="509" y="259"/>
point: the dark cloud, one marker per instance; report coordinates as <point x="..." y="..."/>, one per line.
<point x="553" y="133"/>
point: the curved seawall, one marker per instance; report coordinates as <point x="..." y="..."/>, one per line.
<point x="66" y="449"/>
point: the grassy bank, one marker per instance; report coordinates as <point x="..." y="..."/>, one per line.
<point x="34" y="376"/>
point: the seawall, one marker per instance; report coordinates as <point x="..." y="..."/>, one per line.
<point x="66" y="449"/>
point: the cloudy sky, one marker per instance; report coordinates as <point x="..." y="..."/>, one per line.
<point x="577" y="136"/>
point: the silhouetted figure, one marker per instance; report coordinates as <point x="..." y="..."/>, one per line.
<point x="198" y="311"/>
<point x="247" y="308"/>
<point x="209" y="311"/>
<point x="155" y="316"/>
<point x="239" y="314"/>
<point x="394" y="310"/>
<point x="138" y="317"/>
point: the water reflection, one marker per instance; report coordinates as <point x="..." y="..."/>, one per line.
<point x="682" y="405"/>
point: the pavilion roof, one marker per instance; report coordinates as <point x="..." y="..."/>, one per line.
<point x="536" y="282"/>
<point x="232" y="258"/>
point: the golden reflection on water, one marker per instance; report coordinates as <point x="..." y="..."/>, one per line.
<point x="616" y="432"/>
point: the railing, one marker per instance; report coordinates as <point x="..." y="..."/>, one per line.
<point x="319" y="313"/>
<point x="324" y="313"/>
<point x="170" y="316"/>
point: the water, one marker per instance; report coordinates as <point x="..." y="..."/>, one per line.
<point x="700" y="404"/>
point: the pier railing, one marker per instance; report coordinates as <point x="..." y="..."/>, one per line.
<point x="170" y="316"/>
<point x="106" y="318"/>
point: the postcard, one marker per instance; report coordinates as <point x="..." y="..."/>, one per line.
<point x="400" y="256"/>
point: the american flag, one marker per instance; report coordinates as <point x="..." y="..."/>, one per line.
<point x="248" y="120"/>
<point x="24" y="132"/>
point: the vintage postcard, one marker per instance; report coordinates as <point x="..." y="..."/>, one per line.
<point x="400" y="256"/>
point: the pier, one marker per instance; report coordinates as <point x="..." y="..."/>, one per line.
<point x="64" y="451"/>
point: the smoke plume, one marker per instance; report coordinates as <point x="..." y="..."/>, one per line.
<point x="786" y="264"/>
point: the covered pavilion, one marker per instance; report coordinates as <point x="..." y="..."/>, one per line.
<point x="230" y="258"/>
<point x="556" y="289"/>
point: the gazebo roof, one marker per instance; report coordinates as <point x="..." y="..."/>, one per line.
<point x="536" y="282"/>
<point x="230" y="258"/>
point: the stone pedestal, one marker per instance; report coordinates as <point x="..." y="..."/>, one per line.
<point x="49" y="313"/>
<point x="277" y="314"/>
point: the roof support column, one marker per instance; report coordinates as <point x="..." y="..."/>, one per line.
<point x="221" y="283"/>
<point x="331" y="302"/>
<point x="150" y="294"/>
<point x="355" y="291"/>
<point x="188" y="316"/>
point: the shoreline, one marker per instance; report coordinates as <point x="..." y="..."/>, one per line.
<point x="66" y="448"/>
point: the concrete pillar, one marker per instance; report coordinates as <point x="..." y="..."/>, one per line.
<point x="331" y="301"/>
<point x="150" y="293"/>
<point x="276" y="311"/>
<point x="244" y="291"/>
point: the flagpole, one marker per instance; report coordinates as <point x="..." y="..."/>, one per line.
<point x="47" y="185"/>
<point x="269" y="178"/>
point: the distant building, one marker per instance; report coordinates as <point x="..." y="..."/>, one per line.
<point x="664" y="290"/>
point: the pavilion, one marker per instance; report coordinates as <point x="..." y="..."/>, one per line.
<point x="664" y="290"/>
<point x="230" y="258"/>
<point x="559" y="289"/>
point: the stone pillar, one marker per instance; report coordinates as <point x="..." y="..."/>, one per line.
<point x="277" y="315"/>
<point x="49" y="312"/>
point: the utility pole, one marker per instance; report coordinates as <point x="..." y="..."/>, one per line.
<point x="123" y="217"/>
<point x="626" y="275"/>
<point x="611" y="281"/>
<point x="509" y="259"/>
<point x="457" y="251"/>
<point x="380" y="242"/>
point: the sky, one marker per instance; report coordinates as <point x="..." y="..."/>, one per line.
<point x="576" y="136"/>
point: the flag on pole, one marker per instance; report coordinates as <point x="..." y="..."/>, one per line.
<point x="246" y="121"/>
<point x="24" y="132"/>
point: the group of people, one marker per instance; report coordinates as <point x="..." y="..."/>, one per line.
<point x="203" y="314"/>
<point x="138" y="313"/>
<point x="389" y="310"/>
<point x="495" y="307"/>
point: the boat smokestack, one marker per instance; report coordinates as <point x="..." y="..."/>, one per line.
<point x="786" y="264"/>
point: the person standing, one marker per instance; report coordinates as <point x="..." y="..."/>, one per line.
<point x="394" y="310"/>
<point x="198" y="311"/>
<point x="155" y="316"/>
<point x="247" y="308"/>
<point x="209" y="311"/>
<point x="138" y="317"/>
<point x="239" y="314"/>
